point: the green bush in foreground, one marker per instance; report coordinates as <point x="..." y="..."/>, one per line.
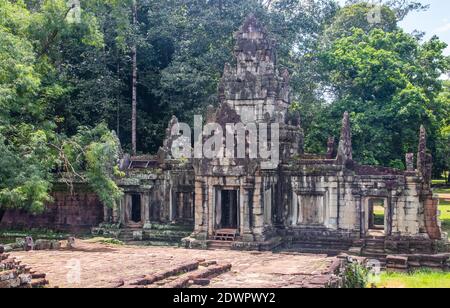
<point x="356" y="276"/>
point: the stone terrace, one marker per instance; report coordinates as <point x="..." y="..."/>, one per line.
<point x="105" y="265"/>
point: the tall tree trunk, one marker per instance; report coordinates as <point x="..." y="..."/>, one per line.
<point x="134" y="86"/>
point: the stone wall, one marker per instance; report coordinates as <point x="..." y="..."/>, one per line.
<point x="73" y="212"/>
<point x="167" y="195"/>
<point x="410" y="263"/>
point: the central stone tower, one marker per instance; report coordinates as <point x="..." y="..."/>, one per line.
<point x="254" y="88"/>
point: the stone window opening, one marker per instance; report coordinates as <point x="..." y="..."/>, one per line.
<point x="136" y="208"/>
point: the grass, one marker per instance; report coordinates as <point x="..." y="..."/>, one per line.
<point x="418" y="280"/>
<point x="378" y="212"/>
<point x="441" y="191"/>
<point x="444" y="207"/>
<point x="439" y="182"/>
<point x="105" y="241"/>
<point x="10" y="236"/>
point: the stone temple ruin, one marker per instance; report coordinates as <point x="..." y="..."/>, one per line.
<point x="304" y="202"/>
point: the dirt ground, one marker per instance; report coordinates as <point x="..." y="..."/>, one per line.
<point x="93" y="265"/>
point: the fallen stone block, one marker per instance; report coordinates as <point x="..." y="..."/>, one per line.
<point x="47" y="245"/>
<point x="208" y="263"/>
<point x="210" y="272"/>
<point x="116" y="284"/>
<point x="7" y="248"/>
<point x="25" y="279"/>
<point x="8" y="275"/>
<point x="201" y="282"/>
<point x="42" y="245"/>
<point x="38" y="283"/>
<point x="9" y="284"/>
<point x="152" y="278"/>
<point x="398" y="266"/>
<point x="38" y="276"/>
<point x="28" y="244"/>
<point x="70" y="243"/>
<point x="396" y="260"/>
<point x="179" y="283"/>
<point x="56" y="245"/>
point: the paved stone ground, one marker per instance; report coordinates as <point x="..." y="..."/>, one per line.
<point x="101" y="264"/>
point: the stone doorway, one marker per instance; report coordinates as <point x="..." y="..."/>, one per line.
<point x="377" y="214"/>
<point x="136" y="209"/>
<point x="227" y="209"/>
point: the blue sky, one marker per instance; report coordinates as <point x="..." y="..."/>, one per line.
<point x="434" y="21"/>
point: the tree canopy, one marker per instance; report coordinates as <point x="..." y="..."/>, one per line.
<point x="66" y="81"/>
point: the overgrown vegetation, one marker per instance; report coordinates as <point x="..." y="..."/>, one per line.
<point x="420" y="279"/>
<point x="105" y="241"/>
<point x="356" y="276"/>
<point x="11" y="236"/>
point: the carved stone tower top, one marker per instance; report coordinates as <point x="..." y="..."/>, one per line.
<point x="254" y="87"/>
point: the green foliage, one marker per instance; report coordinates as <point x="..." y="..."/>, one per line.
<point x="356" y="276"/>
<point x="390" y="85"/>
<point x="92" y="155"/>
<point x="358" y="16"/>
<point x="24" y="168"/>
<point x="34" y="43"/>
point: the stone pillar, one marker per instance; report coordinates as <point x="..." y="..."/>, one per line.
<point x="258" y="211"/>
<point x="106" y="214"/>
<point x="145" y="208"/>
<point x="431" y="218"/>
<point x="124" y="206"/>
<point x="201" y="201"/>
<point x="116" y="212"/>
<point x="245" y="229"/>
<point x="180" y="200"/>
<point x="361" y="215"/>
<point x="294" y="217"/>
<point x="211" y="199"/>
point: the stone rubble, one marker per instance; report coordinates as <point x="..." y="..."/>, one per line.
<point x="198" y="273"/>
<point x="13" y="274"/>
<point x="408" y="263"/>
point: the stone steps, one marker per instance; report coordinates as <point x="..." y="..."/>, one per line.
<point x="374" y="249"/>
<point x="220" y="245"/>
<point x="227" y="235"/>
<point x="326" y="247"/>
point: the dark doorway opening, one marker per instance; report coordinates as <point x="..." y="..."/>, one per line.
<point x="136" y="208"/>
<point x="377" y="214"/>
<point x="229" y="209"/>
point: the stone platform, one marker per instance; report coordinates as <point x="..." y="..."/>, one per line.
<point x="108" y="265"/>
